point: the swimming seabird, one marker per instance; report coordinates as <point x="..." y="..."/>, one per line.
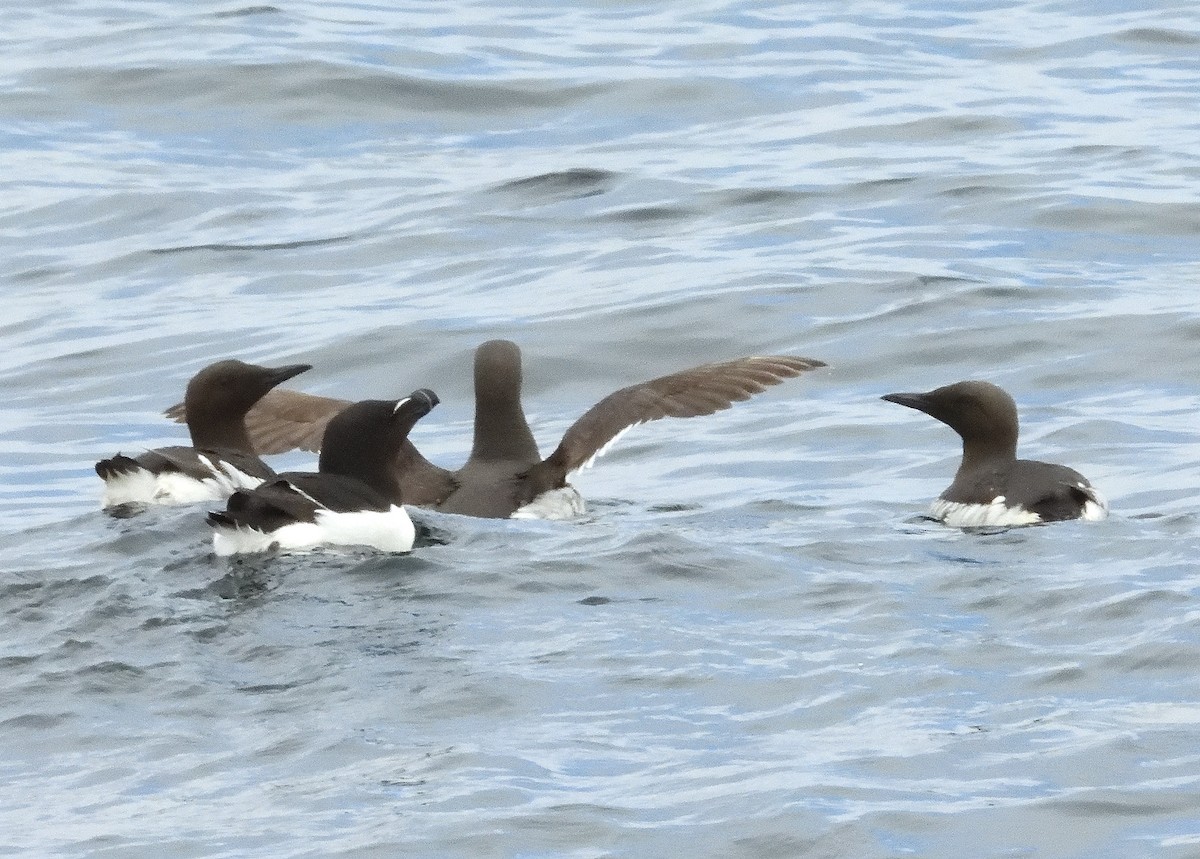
<point x="221" y="458"/>
<point x="354" y="499"/>
<point x="993" y="487"/>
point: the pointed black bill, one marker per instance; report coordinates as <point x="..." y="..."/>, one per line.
<point x="914" y="401"/>
<point x="282" y="374"/>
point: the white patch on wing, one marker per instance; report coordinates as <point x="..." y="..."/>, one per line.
<point x="557" y="504"/>
<point x="604" y="448"/>
<point x="959" y="515"/>
<point x="389" y="531"/>
<point x="234" y="478"/>
<point x="303" y="494"/>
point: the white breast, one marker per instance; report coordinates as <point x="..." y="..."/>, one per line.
<point x="388" y="531"/>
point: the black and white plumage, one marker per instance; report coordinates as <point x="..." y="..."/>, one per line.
<point x="221" y="457"/>
<point x="505" y="474"/>
<point x="354" y="499"/>
<point x="992" y="487"/>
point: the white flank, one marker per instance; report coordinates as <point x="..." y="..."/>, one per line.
<point x="130" y="487"/>
<point x="959" y="515"/>
<point x="175" y="488"/>
<point x="1096" y="507"/>
<point x="142" y="486"/>
<point x="564" y="503"/>
<point x="389" y="531"/>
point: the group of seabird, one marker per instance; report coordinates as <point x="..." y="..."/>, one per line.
<point x="368" y="468"/>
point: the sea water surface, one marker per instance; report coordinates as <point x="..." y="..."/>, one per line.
<point x="753" y="645"/>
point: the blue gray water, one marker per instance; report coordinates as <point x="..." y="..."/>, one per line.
<point x="754" y="645"/>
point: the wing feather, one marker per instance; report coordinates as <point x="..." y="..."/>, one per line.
<point x="701" y="390"/>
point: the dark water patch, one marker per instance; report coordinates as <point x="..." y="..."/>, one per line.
<point x="308" y="94"/>
<point x="38" y="721"/>
<point x="1122" y="218"/>
<point x="1060" y="678"/>
<point x="249" y="578"/>
<point x="649" y="215"/>
<point x="208" y="634"/>
<point x="569" y="184"/>
<point x="266" y="246"/>
<point x="676" y="507"/>
<point x="927" y="280"/>
<point x="272" y="688"/>
<point x="247" y="11"/>
<point x="1157" y="37"/>
<point x="255" y="574"/>
<point x="757" y="196"/>
<point x="770" y="197"/>
<point x="128" y="510"/>
<point x="109" y="677"/>
<point x="1145" y="604"/>
<point x="1106" y="150"/>
<point x="49" y="588"/>
<point x="39" y="273"/>
<point x="889" y="184"/>
<point x="928" y="130"/>
<point x="1156" y="657"/>
<point x="1108" y="808"/>
<point x="16" y="662"/>
<point x="974" y="190"/>
<point x="783" y="507"/>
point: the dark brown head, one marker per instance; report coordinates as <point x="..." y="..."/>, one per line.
<point x="498" y="371"/>
<point x="363" y="439"/>
<point x="219" y="396"/>
<point x="984" y="415"/>
<point x="501" y="431"/>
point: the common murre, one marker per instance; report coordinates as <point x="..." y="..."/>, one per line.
<point x="221" y="458"/>
<point x="992" y="487"/>
<point x="354" y="499"/>
<point x="505" y="474"/>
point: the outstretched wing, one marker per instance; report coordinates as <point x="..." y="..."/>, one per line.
<point x="699" y="391"/>
<point x="283" y="420"/>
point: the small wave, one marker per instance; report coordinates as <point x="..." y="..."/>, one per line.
<point x="266" y="246"/>
<point x="247" y="11"/>
<point x="575" y="182"/>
